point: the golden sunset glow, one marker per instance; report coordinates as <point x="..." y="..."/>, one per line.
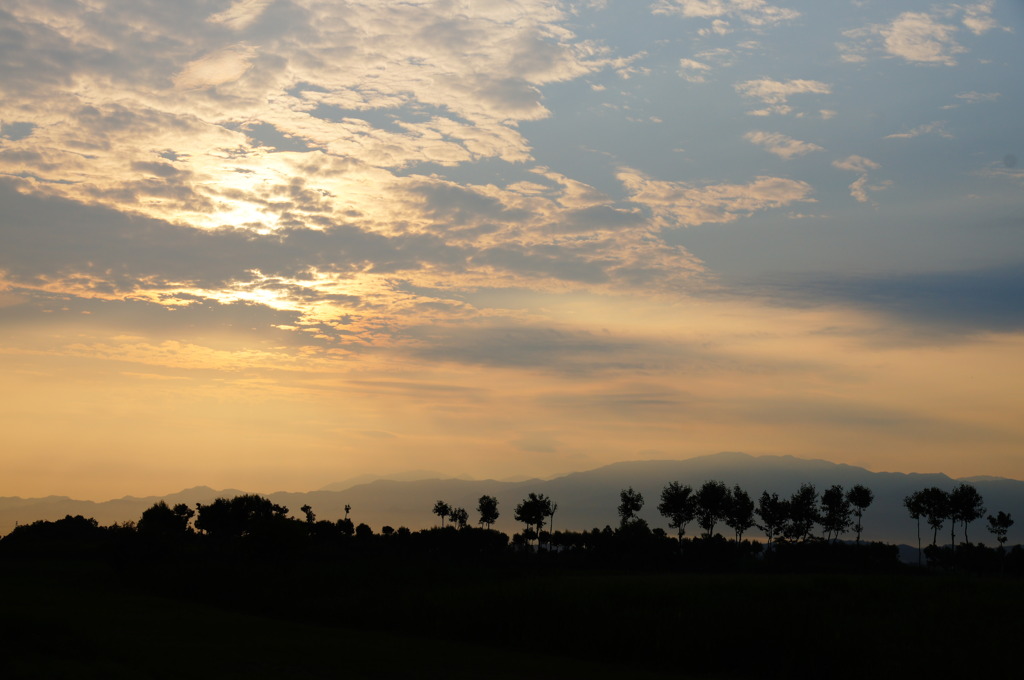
<point x="269" y="245"/>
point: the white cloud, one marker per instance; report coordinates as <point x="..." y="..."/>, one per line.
<point x="933" y="128"/>
<point x="977" y="97"/>
<point x="917" y="37"/>
<point x="693" y="70"/>
<point x="753" y="12"/>
<point x="776" y="93"/>
<point x="860" y="187"/>
<point x="687" y="204"/>
<point x="856" y="164"/>
<point x="241" y="14"/>
<point x="220" y="67"/>
<point x="779" y="144"/>
<point x="978" y="17"/>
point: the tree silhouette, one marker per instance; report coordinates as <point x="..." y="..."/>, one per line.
<point x="678" y="505"/>
<point x="162" y="522"/>
<point x="914" y="503"/>
<point x="307" y="510"/>
<point x="999" y="526"/>
<point x="629" y="505"/>
<point x="803" y="513"/>
<point x="363" y="531"/>
<point x="774" y="514"/>
<point x="488" y="509"/>
<point x="739" y="511"/>
<point x="246" y="515"/>
<point x="966" y="505"/>
<point x="532" y="512"/>
<point x="836" y="512"/>
<point x="860" y="497"/>
<point x="459" y="517"/>
<point x="552" y="509"/>
<point x="935" y="508"/>
<point x="711" y="501"/>
<point x="442" y="510"/>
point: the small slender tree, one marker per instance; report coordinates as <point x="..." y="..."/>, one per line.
<point x="935" y="506"/>
<point x="739" y="511"/>
<point x="860" y="497"/>
<point x="966" y="505"/>
<point x="999" y="526"/>
<point x="774" y="514"/>
<point x="629" y="505"/>
<point x="678" y="505"/>
<point x="533" y="511"/>
<point x="552" y="509"/>
<point x="711" y="501"/>
<point x="459" y="517"/>
<point x="914" y="504"/>
<point x="488" y="509"/>
<point x="836" y="513"/>
<point x="441" y="509"/>
<point x="802" y="513"/>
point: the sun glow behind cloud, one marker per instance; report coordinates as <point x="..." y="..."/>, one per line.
<point x="513" y="237"/>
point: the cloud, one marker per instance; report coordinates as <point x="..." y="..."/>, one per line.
<point x="856" y="164"/>
<point x="860" y="188"/>
<point x="693" y="70"/>
<point x="223" y="66"/>
<point x="780" y="145"/>
<point x="241" y="14"/>
<point x="562" y="350"/>
<point x="753" y="12"/>
<point x="978" y="17"/>
<point x="686" y="204"/>
<point x="319" y="74"/>
<point x="916" y="37"/>
<point x="933" y="128"/>
<point x="776" y="93"/>
<point x="973" y="97"/>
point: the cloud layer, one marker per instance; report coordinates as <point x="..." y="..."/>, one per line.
<point x="516" y="238"/>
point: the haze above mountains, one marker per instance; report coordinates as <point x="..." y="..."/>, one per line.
<point x="585" y="499"/>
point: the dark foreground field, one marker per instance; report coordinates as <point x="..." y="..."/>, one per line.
<point x="274" y="619"/>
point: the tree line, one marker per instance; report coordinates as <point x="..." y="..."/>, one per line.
<point x="835" y="511"/>
<point x="805" y="518"/>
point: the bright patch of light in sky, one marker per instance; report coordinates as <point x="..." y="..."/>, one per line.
<point x="237" y="236"/>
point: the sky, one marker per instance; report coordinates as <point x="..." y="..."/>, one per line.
<point x="271" y="244"/>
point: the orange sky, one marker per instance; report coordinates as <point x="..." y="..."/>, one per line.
<point x="273" y="245"/>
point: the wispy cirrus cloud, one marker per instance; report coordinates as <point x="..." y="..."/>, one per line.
<point x="973" y="97"/>
<point x="688" y="204"/>
<point x="860" y="187"/>
<point x="756" y="13"/>
<point x="693" y="71"/>
<point x="780" y="144"/>
<point x="934" y="128"/>
<point x="775" y="94"/>
<point x="978" y="17"/>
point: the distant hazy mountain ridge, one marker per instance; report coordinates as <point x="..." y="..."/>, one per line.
<point x="585" y="499"/>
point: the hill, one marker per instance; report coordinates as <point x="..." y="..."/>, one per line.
<point x="585" y="499"/>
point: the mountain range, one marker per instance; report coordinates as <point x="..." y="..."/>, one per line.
<point x="585" y="499"/>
